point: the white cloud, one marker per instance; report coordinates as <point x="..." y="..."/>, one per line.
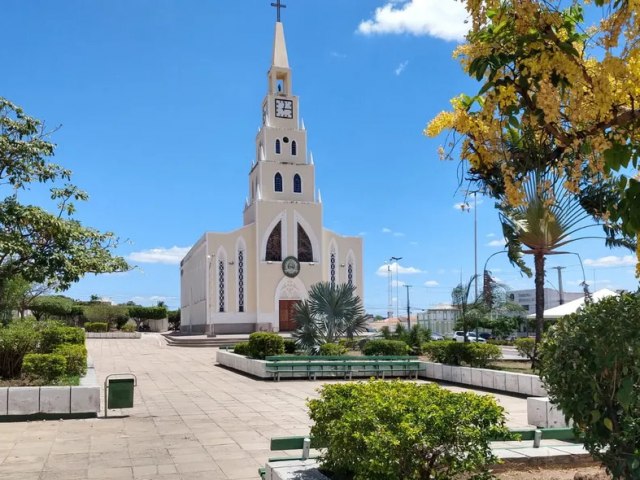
<point x="443" y="19"/>
<point x="497" y="243"/>
<point x="431" y="283"/>
<point x="491" y="235"/>
<point x="398" y="234"/>
<point x="386" y="230"/>
<point x="167" y="256"/>
<point x="383" y="270"/>
<point x="400" y="68"/>
<point x="153" y="299"/>
<point x="362" y="234"/>
<point x="611" y="261"/>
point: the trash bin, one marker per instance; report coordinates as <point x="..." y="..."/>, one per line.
<point x="118" y="392"/>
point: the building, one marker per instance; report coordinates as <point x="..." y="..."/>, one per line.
<point x="249" y="279"/>
<point x="440" y="319"/>
<point x="527" y="298"/>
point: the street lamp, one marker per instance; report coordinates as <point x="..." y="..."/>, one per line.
<point x="396" y="259"/>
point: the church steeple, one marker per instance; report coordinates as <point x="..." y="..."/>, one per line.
<point x="279" y="58"/>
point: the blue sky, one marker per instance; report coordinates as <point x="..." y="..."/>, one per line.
<point x="159" y="102"/>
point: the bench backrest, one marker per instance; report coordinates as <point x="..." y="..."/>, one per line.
<point x="293" y="358"/>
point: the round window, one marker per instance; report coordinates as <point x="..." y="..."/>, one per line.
<point x="285" y="139"/>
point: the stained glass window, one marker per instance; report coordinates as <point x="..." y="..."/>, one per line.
<point x="294" y="148"/>
<point x="332" y="269"/>
<point x="297" y="184"/>
<point x="277" y="182"/>
<point x="277" y="146"/>
<point x="241" y="280"/>
<point x="221" y="286"/>
<point x="274" y="244"/>
<point x="305" y="250"/>
<point x="350" y="274"/>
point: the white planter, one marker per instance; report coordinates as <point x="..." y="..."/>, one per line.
<point x="544" y="414"/>
<point x="257" y="368"/>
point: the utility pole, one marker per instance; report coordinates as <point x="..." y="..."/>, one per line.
<point x="408" y="308"/>
<point x="560" y="292"/>
<point x="390" y="288"/>
<point x="396" y="259"/>
<point x="475" y="241"/>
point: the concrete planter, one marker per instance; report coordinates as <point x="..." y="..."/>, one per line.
<point x="520" y="383"/>
<point x="112" y="334"/>
<point x="257" y="368"/>
<point x="27" y="403"/>
<point x="544" y="414"/>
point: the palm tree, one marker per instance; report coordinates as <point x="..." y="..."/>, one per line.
<point x="548" y="218"/>
<point x="468" y="310"/>
<point x="330" y="312"/>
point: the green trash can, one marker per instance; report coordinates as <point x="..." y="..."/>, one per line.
<point x="119" y="392"/>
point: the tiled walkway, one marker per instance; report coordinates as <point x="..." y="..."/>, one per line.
<point x="192" y="420"/>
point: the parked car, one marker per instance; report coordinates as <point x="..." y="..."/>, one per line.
<point x="436" y="336"/>
<point x="486" y="335"/>
<point x="471" y="336"/>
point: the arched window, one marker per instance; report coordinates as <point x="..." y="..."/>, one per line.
<point x="277" y="182"/>
<point x="241" y="280"/>
<point x="332" y="269"/>
<point x="350" y="274"/>
<point x="274" y="244"/>
<point x="221" y="285"/>
<point x="305" y="250"/>
<point x="297" y="184"/>
<point x="294" y="148"/>
<point x="278" y="146"/>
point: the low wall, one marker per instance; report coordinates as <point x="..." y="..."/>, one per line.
<point x="544" y="414"/>
<point x="257" y="368"/>
<point x="519" y="383"/>
<point x="112" y="334"/>
<point x="32" y="403"/>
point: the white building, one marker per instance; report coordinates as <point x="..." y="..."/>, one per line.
<point x="527" y="298"/>
<point x="249" y="279"/>
<point x="440" y="319"/>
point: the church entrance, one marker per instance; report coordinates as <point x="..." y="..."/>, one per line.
<point x="287" y="321"/>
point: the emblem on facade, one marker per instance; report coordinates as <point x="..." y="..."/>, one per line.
<point x="291" y="267"/>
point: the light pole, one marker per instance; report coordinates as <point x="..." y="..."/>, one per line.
<point x="389" y="290"/>
<point x="408" y="308"/>
<point x="397" y="259"/>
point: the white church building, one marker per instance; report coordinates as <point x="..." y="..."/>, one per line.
<point x="249" y="280"/>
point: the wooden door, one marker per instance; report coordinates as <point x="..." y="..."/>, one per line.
<point x="287" y="322"/>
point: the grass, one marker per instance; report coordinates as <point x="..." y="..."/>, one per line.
<point x="514" y="366"/>
<point x="66" y="380"/>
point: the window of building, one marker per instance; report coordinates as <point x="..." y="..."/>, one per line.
<point x="305" y="250"/>
<point x="277" y="182"/>
<point x="294" y="148"/>
<point x="350" y="274"/>
<point x="297" y="184"/>
<point x="241" y="280"/>
<point x="332" y="269"/>
<point x="274" y="244"/>
<point x="278" y="146"/>
<point x="221" y="286"/>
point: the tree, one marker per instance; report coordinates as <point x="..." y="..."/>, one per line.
<point x="140" y="314"/>
<point x="567" y="88"/>
<point x="43" y="247"/>
<point x="470" y="312"/>
<point x="55" y="306"/>
<point x="330" y="312"/>
<point x="590" y="368"/>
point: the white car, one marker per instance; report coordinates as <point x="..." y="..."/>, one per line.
<point x="459" y="337"/>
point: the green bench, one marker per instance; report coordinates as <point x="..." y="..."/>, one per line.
<point x="307" y="443"/>
<point x="341" y="366"/>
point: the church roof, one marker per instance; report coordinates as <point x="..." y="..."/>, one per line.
<point x="280" y="58"/>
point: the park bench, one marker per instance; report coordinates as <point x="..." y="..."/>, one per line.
<point x="307" y="443"/>
<point x="341" y="366"/>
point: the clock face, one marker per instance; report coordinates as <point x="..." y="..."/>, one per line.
<point x="284" y="108"/>
<point x="291" y="266"/>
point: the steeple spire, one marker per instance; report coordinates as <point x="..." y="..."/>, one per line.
<point x="280" y="58"/>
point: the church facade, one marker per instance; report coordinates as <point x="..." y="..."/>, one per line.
<point x="250" y="279"/>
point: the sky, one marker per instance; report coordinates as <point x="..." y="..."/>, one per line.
<point x="158" y="103"/>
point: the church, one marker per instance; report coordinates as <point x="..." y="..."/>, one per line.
<point x="250" y="279"/>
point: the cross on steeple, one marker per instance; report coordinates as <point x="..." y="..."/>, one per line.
<point x="278" y="5"/>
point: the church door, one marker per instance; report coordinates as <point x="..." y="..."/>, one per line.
<point x="287" y="322"/>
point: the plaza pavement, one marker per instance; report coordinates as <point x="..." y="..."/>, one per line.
<point x="192" y="420"/>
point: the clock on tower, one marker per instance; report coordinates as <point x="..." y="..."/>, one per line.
<point x="284" y="108"/>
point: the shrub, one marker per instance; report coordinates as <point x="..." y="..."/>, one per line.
<point x="47" y="367"/>
<point x="121" y="320"/>
<point x="590" y="367"/>
<point x="54" y="335"/>
<point x="96" y="327"/>
<point x="385" y="347"/>
<point x="332" y="349"/>
<point x="174" y="319"/>
<point x="349" y="344"/>
<point x="385" y="332"/>
<point x="400" y="430"/>
<point x="128" y="327"/>
<point x="241" y="348"/>
<point x="16" y="340"/>
<point x="75" y="357"/>
<point x="290" y="346"/>
<point x="526" y="347"/>
<point x="263" y="344"/>
<point x="457" y="353"/>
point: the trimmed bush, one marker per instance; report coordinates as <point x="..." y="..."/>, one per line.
<point x="241" y="348"/>
<point x="348" y="344"/>
<point x="128" y="328"/>
<point x="457" y="353"/>
<point x="332" y="350"/>
<point x="382" y="430"/>
<point x="526" y="347"/>
<point x="290" y="346"/>
<point x="47" y="367"/>
<point x="96" y="327"/>
<point x="482" y="354"/>
<point x="16" y="340"/>
<point x="54" y="335"/>
<point x="385" y="347"/>
<point x="75" y="356"/>
<point x="263" y="344"/>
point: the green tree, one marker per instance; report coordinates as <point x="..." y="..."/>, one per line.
<point x="330" y="312"/>
<point x="43" y="247"/>
<point x="140" y="314"/>
<point x="471" y="312"/>
<point x="55" y="306"/>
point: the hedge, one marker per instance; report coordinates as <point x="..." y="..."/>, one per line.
<point x="332" y="349"/>
<point x="96" y="327"/>
<point x="47" y="367"/>
<point x="53" y="335"/>
<point x="241" y="348"/>
<point x="290" y="346"/>
<point x="263" y="344"/>
<point x="75" y="356"/>
<point x="385" y="347"/>
<point x="17" y="339"/>
<point x="457" y="353"/>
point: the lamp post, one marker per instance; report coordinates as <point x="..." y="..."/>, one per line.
<point x="408" y="308"/>
<point x="396" y="259"/>
<point x="485" y="275"/>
